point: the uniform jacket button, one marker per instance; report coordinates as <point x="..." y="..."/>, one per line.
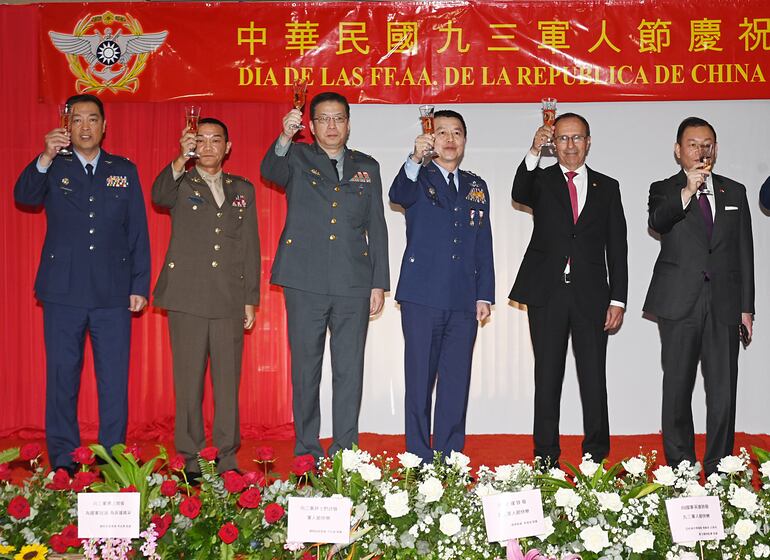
<point x="214" y="264"/>
<point x="171" y="264"/>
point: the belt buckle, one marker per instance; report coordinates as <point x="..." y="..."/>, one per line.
<point x="566" y="278"/>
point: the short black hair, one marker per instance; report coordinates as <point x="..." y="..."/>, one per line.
<point x="448" y="113"/>
<point x="212" y="120"/>
<point x="693" y="122"/>
<point x="329" y="96"/>
<point x="574" y="116"/>
<point x="86" y="98"/>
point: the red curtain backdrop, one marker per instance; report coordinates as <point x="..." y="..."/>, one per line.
<point x="146" y="133"/>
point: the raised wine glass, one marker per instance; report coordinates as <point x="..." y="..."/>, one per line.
<point x="191" y="114"/>
<point x="549" y="117"/>
<point x="299" y="94"/>
<point x="65" y="111"/>
<point x="426" y="120"/>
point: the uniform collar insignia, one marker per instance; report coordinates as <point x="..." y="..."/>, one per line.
<point x="315" y="172"/>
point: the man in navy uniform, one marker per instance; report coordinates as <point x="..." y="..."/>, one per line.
<point x="332" y="262"/>
<point x="447" y="284"/>
<point x="94" y="272"/>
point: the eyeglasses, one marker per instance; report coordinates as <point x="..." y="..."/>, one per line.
<point x="576" y="138"/>
<point x="326" y="119"/>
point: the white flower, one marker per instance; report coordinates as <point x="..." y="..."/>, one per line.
<point x="764" y="468"/>
<point x="503" y="473"/>
<point x="635" y="466"/>
<point x="609" y="501"/>
<point x="695" y="490"/>
<point x="294" y="546"/>
<point x="664" y="475"/>
<point x="409" y="460"/>
<point x="350" y="460"/>
<point x="485" y="490"/>
<point x="640" y="540"/>
<point x="744" y="499"/>
<point x="369" y="472"/>
<point x="450" y="524"/>
<point x="744" y="528"/>
<point x="567" y="498"/>
<point x="588" y="467"/>
<point x="459" y="461"/>
<point x="762" y="550"/>
<point x="549" y="529"/>
<point x="594" y="538"/>
<point x="731" y="465"/>
<point x="431" y="489"/>
<point x="557" y="474"/>
<point x="397" y="503"/>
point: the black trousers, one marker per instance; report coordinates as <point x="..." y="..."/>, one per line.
<point x="550" y="327"/>
<point x="699" y="337"/>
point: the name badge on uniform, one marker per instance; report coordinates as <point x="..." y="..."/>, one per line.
<point x="119" y="181"/>
<point x="240" y="201"/>
<point x="476" y="194"/>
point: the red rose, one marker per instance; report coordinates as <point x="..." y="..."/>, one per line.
<point x="273" y="512"/>
<point x="228" y="533"/>
<point x="5" y="472"/>
<point x="162" y="523"/>
<point x="302" y="465"/>
<point x="83" y="480"/>
<point x="177" y="463"/>
<point x="133" y="449"/>
<point x="129" y="488"/>
<point x="18" y="507"/>
<point x="234" y="482"/>
<point x="169" y="488"/>
<point x="209" y="454"/>
<point x="83" y="455"/>
<point x="265" y="454"/>
<point x="61" y="481"/>
<point x="252" y="478"/>
<point x="70" y="536"/>
<point x="190" y="507"/>
<point x="58" y="544"/>
<point x="30" y="451"/>
<point x="308" y="556"/>
<point x="250" y="498"/>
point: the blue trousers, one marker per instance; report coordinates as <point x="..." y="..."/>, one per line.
<point x="65" y="330"/>
<point x="438" y="349"/>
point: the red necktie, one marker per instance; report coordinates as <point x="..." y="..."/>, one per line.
<point x="572" y="194"/>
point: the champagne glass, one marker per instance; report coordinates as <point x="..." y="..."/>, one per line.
<point x="65" y="111"/>
<point x="426" y="120"/>
<point x="707" y="156"/>
<point x="191" y="115"/>
<point x="549" y="117"/>
<point x="299" y="94"/>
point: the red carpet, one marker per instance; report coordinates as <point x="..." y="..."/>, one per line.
<point x="490" y="450"/>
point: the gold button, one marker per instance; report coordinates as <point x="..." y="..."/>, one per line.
<point x="337" y="188"/>
<point x="214" y="264"/>
<point x="288" y="241"/>
<point x="216" y="247"/>
<point x="171" y="264"/>
<point x="219" y="214"/>
<point x="240" y="217"/>
<point x="332" y="237"/>
<point x="240" y="210"/>
<point x="313" y="183"/>
<point x="334" y="220"/>
<point x="335" y="204"/>
<point x="217" y="230"/>
<point x="366" y="253"/>
<point x="195" y="207"/>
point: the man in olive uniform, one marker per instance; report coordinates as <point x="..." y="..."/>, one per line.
<point x="209" y="285"/>
<point x="332" y="262"/>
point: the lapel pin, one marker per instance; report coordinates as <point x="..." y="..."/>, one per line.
<point x="65" y="181"/>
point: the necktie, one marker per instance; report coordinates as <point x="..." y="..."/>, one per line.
<point x="572" y="194"/>
<point x="336" y="169"/>
<point x="216" y="190"/>
<point x="705" y="208"/>
<point x="451" y="182"/>
<point x="90" y="171"/>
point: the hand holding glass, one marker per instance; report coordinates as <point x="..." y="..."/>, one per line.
<point x="64" y="122"/>
<point x="299" y="94"/>
<point x="426" y="120"/>
<point x="549" y="116"/>
<point x="191" y="114"/>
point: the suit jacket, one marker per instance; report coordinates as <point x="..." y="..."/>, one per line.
<point x="335" y="241"/>
<point x="686" y="252"/>
<point x="96" y="250"/>
<point x="212" y="264"/>
<point x="596" y="244"/>
<point x="448" y="260"/>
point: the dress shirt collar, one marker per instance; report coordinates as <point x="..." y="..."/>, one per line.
<point x="83" y="161"/>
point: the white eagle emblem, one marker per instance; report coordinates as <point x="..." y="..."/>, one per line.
<point x="114" y="57"/>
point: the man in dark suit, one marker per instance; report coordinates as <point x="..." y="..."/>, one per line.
<point x="332" y="262"/>
<point x="446" y="286"/>
<point x="94" y="272"/>
<point x="573" y="279"/>
<point x="702" y="289"/>
<point x="210" y="286"/>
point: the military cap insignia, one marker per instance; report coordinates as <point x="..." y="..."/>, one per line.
<point x="119" y="181"/>
<point x="476" y="194"/>
<point x="239" y="201"/>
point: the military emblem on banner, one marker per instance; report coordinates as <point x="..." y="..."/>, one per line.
<point x="107" y="52"/>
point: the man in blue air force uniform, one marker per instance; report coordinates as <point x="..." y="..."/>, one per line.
<point x="94" y="272"/>
<point x="447" y="284"/>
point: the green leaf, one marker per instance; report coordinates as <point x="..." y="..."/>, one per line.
<point x="761" y="454"/>
<point x="8" y="455"/>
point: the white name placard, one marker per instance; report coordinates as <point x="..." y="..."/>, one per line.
<point x="513" y="515"/>
<point x="108" y="515"/>
<point x="319" y="520"/>
<point x="695" y="519"/>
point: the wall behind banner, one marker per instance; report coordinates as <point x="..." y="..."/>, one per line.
<point x="631" y="141"/>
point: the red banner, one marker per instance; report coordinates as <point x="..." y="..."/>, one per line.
<point x="409" y="52"/>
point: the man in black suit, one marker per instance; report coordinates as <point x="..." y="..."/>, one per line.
<point x="578" y="242"/>
<point x="702" y="290"/>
